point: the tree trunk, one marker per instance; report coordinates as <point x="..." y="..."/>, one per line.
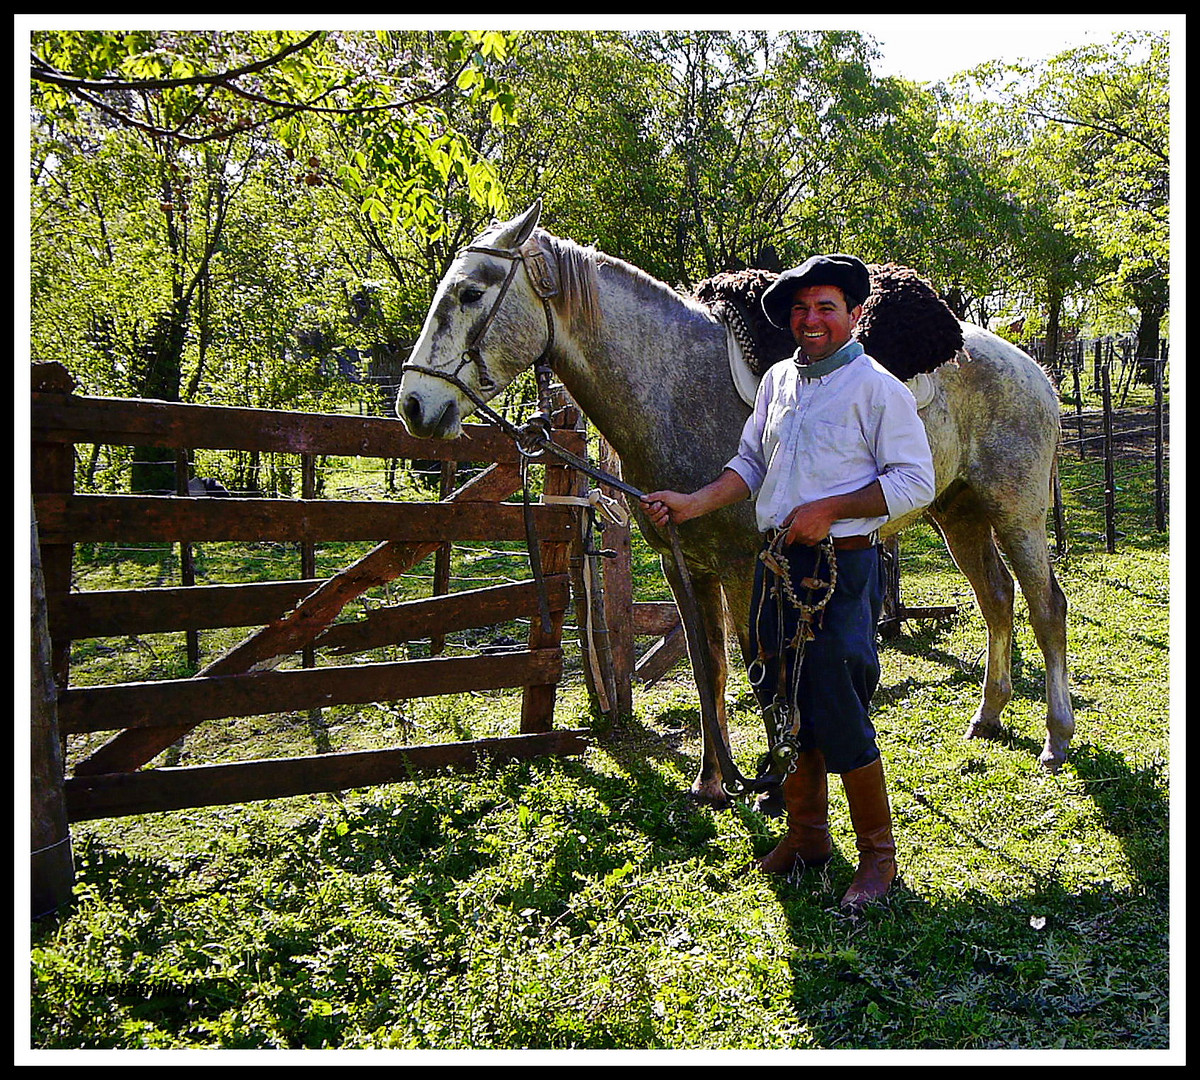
<point x="1149" y="326"/>
<point x="1053" y="331"/>
<point x="153" y="470"/>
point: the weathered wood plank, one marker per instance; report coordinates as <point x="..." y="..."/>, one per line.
<point x="64" y="418"/>
<point x="51" y="865"/>
<point x="171" y="702"/>
<point x="661" y="657"/>
<point x="654" y="618"/>
<point x="130" y="750"/>
<point x="153" y="790"/>
<point x="166" y="518"/>
<point x="465" y="610"/>
<point x="114" y="612"/>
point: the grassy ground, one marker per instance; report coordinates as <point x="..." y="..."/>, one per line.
<point x="588" y="904"/>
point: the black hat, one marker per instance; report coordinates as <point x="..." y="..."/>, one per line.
<point x="847" y="272"/>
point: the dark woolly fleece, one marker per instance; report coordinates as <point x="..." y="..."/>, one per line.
<point x="905" y="325"/>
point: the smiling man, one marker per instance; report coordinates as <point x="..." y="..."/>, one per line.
<point x="833" y="448"/>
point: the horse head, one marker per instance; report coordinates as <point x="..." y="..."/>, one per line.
<point x="490" y="320"/>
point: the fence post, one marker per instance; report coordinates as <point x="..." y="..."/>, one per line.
<point x="889" y="566"/>
<point x="308" y="572"/>
<point x="441" y="559"/>
<point x="1076" y="364"/>
<point x="1160" y="495"/>
<point x="52" y="870"/>
<point x="53" y="473"/>
<point x="1061" y="545"/>
<point x="1110" y="485"/>
<point x="308" y="548"/>
<point x="187" y="561"/>
<point x="618" y="597"/>
<point x="537" y="702"/>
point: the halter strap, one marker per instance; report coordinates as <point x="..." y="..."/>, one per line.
<point x="544" y="284"/>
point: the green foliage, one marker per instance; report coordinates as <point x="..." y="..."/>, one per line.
<point x="199" y="199"/>
<point x="1081" y="143"/>
<point x="196" y="196"/>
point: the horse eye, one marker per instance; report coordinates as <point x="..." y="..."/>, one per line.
<point x="470" y="295"/>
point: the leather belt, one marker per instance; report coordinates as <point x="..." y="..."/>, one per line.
<point x="852" y="543"/>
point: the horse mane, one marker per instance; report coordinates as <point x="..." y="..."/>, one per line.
<point x="905" y="325"/>
<point x="577" y="301"/>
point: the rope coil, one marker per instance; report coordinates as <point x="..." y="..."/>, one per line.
<point x="783" y="714"/>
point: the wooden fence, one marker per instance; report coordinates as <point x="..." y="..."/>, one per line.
<point x="296" y="616"/>
<point x="1122" y="431"/>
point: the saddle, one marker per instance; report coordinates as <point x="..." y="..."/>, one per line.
<point x="905" y="325"/>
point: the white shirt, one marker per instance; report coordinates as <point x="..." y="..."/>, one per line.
<point x="810" y="438"/>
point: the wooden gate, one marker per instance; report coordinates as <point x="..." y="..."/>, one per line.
<point x="296" y="616"/>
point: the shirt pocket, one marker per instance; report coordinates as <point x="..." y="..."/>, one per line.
<point x="828" y="441"/>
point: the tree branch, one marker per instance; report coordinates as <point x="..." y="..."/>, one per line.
<point x="1113" y="130"/>
<point x="45" y="72"/>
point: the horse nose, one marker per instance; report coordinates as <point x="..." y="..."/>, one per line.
<point x="408" y="407"/>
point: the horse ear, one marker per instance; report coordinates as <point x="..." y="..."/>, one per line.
<point x="517" y="231"/>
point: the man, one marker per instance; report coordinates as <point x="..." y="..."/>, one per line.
<point x="833" y="448"/>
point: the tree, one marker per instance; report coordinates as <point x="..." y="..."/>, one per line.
<point x="147" y="145"/>
<point x="1109" y="110"/>
<point x="1086" y="145"/>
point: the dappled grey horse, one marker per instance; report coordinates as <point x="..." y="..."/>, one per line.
<point x="650" y="369"/>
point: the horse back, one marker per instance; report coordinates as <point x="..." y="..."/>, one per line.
<point x="994" y="422"/>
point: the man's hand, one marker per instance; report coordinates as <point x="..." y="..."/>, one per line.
<point x="665" y="506"/>
<point x="676" y="506"/>
<point x="810" y="523"/>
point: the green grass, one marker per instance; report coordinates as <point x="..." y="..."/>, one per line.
<point x="588" y="903"/>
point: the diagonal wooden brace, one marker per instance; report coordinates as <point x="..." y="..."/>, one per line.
<point x="131" y="749"/>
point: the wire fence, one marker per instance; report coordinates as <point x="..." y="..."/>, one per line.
<point x="1116" y="414"/>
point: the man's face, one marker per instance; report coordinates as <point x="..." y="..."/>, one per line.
<point x="821" y="323"/>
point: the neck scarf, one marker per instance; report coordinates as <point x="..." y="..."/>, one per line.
<point x="850" y="351"/>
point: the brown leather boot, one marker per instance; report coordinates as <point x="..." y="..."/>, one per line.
<point x="866" y="795"/>
<point x="806" y="802"/>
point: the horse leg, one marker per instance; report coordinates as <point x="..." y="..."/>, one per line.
<point x="1027" y="550"/>
<point x="968" y="535"/>
<point x="707" y="787"/>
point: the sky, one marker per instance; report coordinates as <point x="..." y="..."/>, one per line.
<point x="927" y="48"/>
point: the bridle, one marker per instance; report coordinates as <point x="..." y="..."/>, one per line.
<point x="545" y="284"/>
<point x="534" y="436"/>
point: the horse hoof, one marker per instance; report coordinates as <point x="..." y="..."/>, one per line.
<point x="715" y="799"/>
<point x="1050" y="760"/>
<point x="982" y="729"/>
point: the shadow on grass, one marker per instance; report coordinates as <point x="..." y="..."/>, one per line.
<point x="1053" y="969"/>
<point x="917" y="971"/>
<point x="1057" y="966"/>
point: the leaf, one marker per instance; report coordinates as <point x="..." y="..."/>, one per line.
<point x="613" y="876"/>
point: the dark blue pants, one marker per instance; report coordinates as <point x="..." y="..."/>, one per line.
<point x="841" y="664"/>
